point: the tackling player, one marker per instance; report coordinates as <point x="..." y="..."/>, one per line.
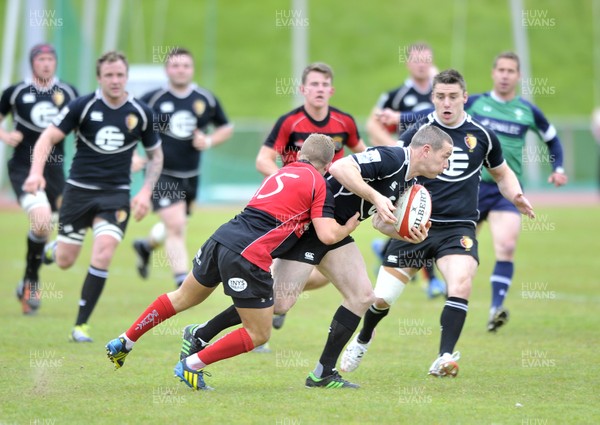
<point x="240" y="254"/>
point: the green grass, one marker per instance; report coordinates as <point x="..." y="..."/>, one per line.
<point x="545" y="358"/>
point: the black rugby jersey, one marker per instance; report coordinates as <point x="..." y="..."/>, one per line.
<point x="406" y="98"/>
<point x="384" y="168"/>
<point x="33" y="109"/>
<point x="176" y="118"/>
<point x="105" y="139"/>
<point x="454" y="193"/>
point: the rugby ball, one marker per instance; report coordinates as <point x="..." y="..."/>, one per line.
<point x="412" y="209"/>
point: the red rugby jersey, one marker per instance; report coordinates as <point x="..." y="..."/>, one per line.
<point x="293" y="128"/>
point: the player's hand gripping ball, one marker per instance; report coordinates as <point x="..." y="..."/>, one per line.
<point x="412" y="209"/>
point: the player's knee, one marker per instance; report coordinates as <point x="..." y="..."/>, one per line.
<point x="283" y="305"/>
<point x="259" y="335"/>
<point x="506" y="249"/>
<point x="64" y="260"/>
<point x="182" y="299"/>
<point x="460" y="288"/>
<point x="361" y="301"/>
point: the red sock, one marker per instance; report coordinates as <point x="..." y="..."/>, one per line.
<point x="232" y="344"/>
<point x="159" y="311"/>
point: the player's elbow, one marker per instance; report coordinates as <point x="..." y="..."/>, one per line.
<point x="327" y="237"/>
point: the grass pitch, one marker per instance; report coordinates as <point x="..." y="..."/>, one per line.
<point x="539" y="369"/>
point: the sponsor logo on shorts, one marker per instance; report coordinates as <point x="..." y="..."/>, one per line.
<point x="392" y="259"/>
<point x="237" y="284"/>
<point x="310" y="256"/>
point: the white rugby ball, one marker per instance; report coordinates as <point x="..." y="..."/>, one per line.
<point x="412" y="209"/>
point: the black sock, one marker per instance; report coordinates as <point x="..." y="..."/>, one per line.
<point x="372" y="317"/>
<point x="342" y="327"/>
<point x="35" y="248"/>
<point x="146" y="246"/>
<point x="179" y="278"/>
<point x="225" y="319"/>
<point x="90" y="293"/>
<point x="429" y="270"/>
<point x="452" y="321"/>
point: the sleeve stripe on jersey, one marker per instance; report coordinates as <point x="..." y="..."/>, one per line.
<point x="87" y="107"/>
<point x="211" y="98"/>
<point x="549" y="134"/>
<point x="67" y="88"/>
<point x="16" y="92"/>
<point x="137" y="106"/>
<point x="399" y="95"/>
<point x="155" y="97"/>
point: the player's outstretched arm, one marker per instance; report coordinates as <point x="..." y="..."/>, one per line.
<point x="511" y="189"/>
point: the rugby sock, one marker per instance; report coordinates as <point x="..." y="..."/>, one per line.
<point x="501" y="279"/>
<point x="35" y="249"/>
<point x="157" y="312"/>
<point x="372" y="317"/>
<point x="179" y="278"/>
<point x="90" y="293"/>
<point x="225" y="319"/>
<point x="342" y="328"/>
<point x="452" y="321"/>
<point x="232" y="344"/>
<point x="147" y="246"/>
<point x="429" y="271"/>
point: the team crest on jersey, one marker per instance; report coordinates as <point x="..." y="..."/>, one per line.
<point x="58" y="97"/>
<point x="199" y="107"/>
<point x="131" y="121"/>
<point x="471" y="142"/>
<point x="121" y="216"/>
<point x="466" y="242"/>
<point x="338" y="141"/>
